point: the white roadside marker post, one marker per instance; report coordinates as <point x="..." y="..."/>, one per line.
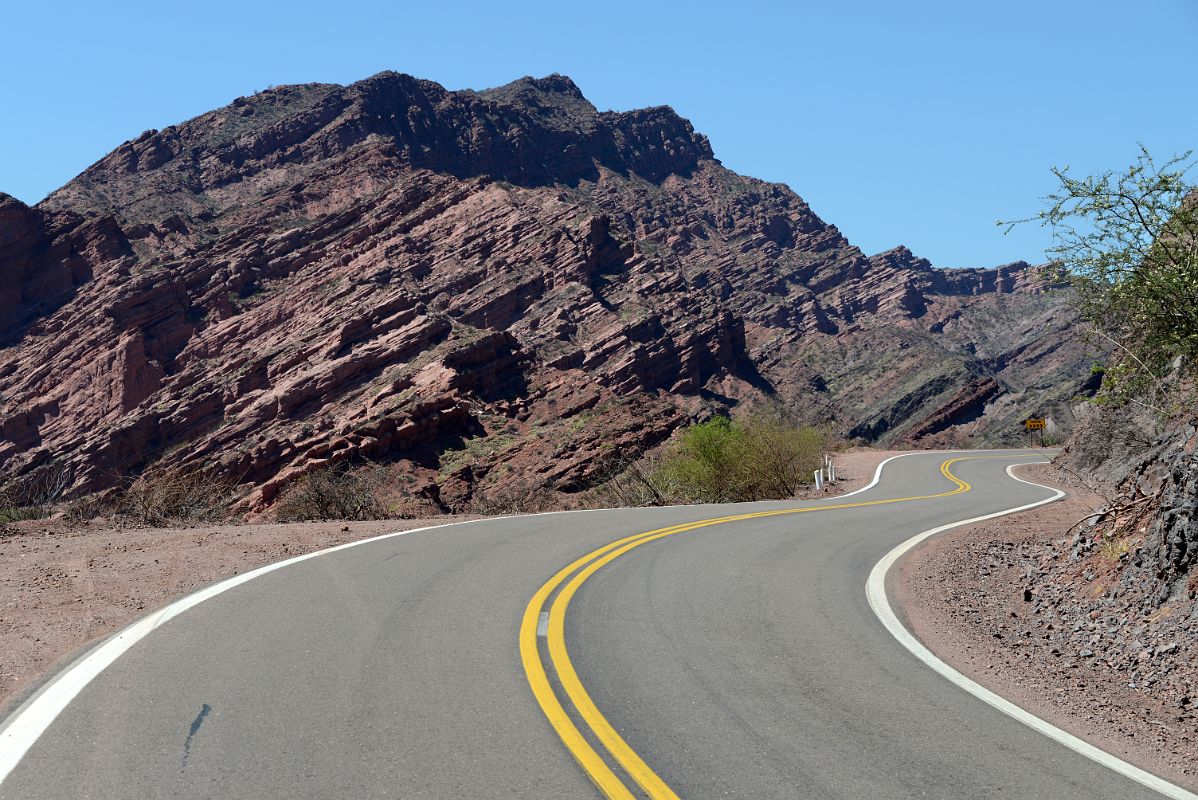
<point x="819" y="480"/>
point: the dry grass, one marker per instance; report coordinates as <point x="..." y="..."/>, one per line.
<point x="1113" y="549"/>
<point x="1164" y="612"/>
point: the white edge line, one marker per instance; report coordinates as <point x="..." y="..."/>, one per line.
<point x="31" y="719"/>
<point x="877" y="475"/>
<point x="880" y="603"/>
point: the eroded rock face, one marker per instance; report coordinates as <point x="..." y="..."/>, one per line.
<point x="1155" y="514"/>
<point x="43" y="257"/>
<point x="498" y="286"/>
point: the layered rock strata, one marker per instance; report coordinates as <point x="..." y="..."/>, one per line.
<point x="505" y="286"/>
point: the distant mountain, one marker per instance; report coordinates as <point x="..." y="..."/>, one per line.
<point x="394" y="271"/>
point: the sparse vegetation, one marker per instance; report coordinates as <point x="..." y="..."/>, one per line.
<point x="473" y="450"/>
<point x="1128" y="242"/>
<point x="157" y="497"/>
<point x="83" y="509"/>
<point x="160" y="497"/>
<point x="34" y="496"/>
<point x="504" y="499"/>
<point x="333" y="492"/>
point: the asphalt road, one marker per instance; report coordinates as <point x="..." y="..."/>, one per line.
<point x="737" y="660"/>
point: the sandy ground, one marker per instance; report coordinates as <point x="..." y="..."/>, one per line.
<point x="963" y="596"/>
<point x="66" y="586"/>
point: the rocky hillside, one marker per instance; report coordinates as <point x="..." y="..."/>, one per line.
<point x="505" y="286"/>
<point x="1118" y="590"/>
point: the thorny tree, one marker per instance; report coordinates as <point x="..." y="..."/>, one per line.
<point x="1128" y="242"/>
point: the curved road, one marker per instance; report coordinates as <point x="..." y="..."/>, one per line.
<point x="739" y="659"/>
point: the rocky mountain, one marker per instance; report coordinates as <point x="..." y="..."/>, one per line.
<point x="497" y="287"/>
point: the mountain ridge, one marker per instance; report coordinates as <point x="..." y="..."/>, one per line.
<point x="393" y="271"/>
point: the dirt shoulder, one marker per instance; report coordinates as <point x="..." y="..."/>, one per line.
<point x="1011" y="604"/>
<point x="65" y="586"/>
<point x="855" y="469"/>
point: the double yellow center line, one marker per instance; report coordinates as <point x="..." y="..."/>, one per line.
<point x="604" y="777"/>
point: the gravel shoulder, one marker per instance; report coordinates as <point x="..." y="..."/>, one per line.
<point x="65" y="586"/>
<point x="1010" y="603"/>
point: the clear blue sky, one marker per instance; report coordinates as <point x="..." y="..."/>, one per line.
<point x="901" y="122"/>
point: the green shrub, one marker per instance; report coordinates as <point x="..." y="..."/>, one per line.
<point x="703" y="465"/>
<point x="765" y="457"/>
<point x="1128" y="243"/>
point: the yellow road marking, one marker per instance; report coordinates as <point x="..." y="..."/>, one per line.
<point x="592" y="763"/>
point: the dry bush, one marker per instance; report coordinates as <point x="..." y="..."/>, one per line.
<point x="333" y="492"/>
<point x="628" y="482"/>
<point x="87" y="508"/>
<point x="778" y="457"/>
<point x="176" y="494"/>
<point x="35" y="495"/>
<point x="510" y="499"/>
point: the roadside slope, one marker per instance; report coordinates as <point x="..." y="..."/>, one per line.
<point x="963" y="597"/>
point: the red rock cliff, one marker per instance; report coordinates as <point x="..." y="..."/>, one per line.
<point x="394" y="271"/>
